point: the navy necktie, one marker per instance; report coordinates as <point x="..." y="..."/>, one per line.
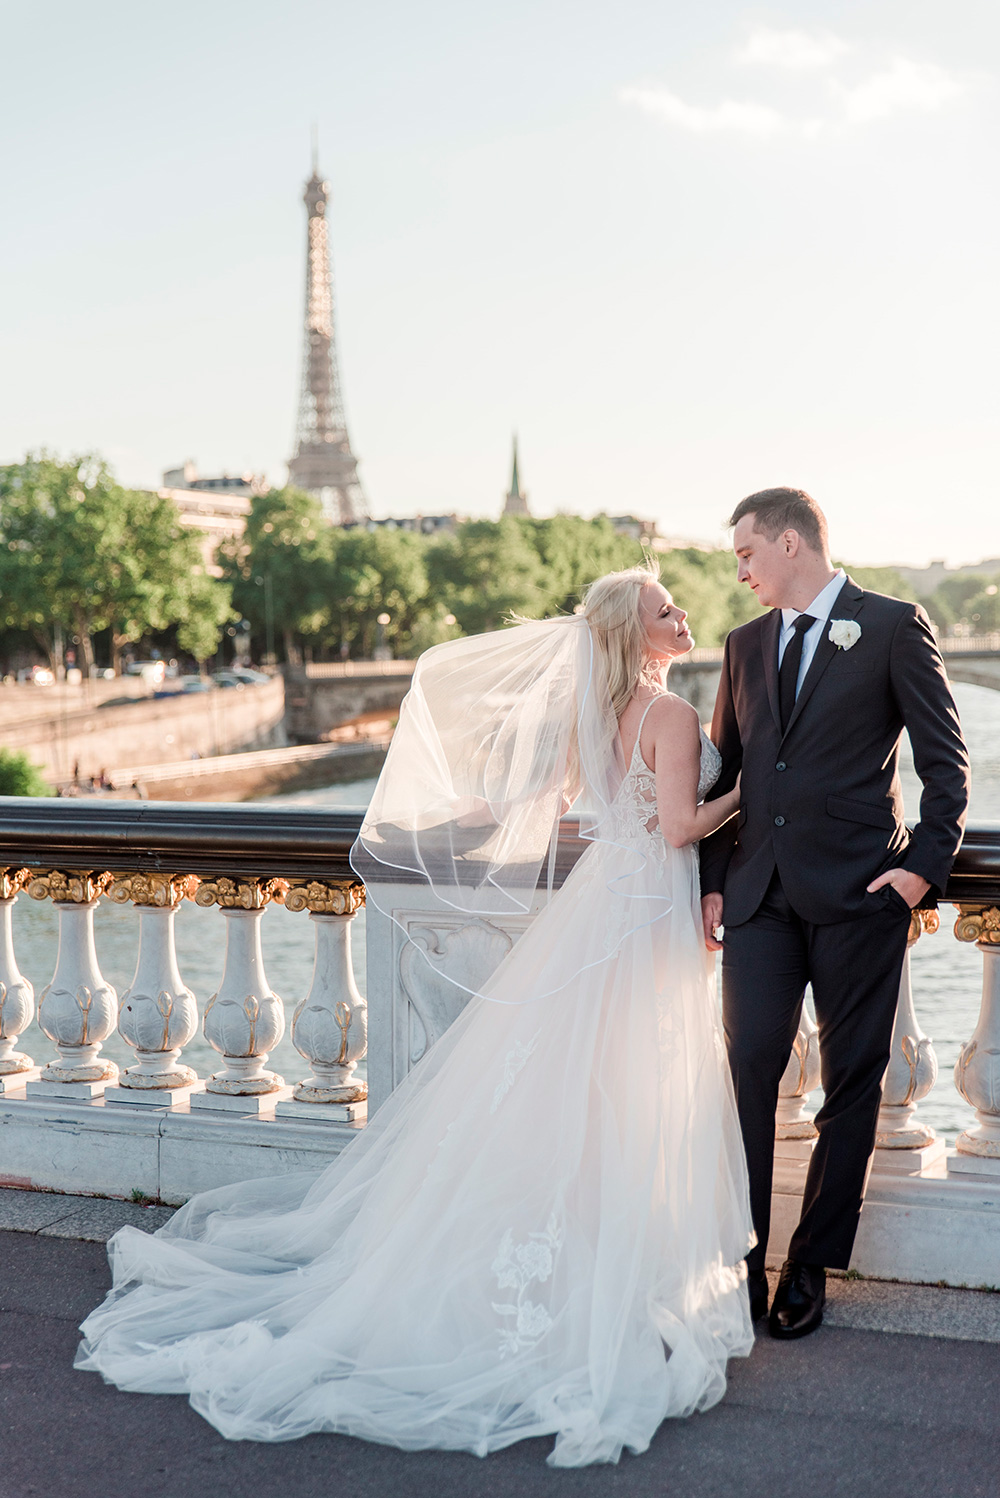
<point x="788" y="675"/>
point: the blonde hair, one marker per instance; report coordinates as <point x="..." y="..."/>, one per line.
<point x="611" y="608"/>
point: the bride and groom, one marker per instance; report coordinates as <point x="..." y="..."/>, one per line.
<point x="557" y="1223"/>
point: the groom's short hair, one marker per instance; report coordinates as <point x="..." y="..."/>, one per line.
<point x="777" y="510"/>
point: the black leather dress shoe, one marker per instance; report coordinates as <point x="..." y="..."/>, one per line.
<point x="757" y="1285"/>
<point x="798" y="1303"/>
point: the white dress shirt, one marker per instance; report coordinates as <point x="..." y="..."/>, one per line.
<point x="820" y="609"/>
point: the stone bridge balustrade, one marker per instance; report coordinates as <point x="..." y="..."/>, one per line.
<point x="910" y="1075"/>
<point x="17" y="997"/>
<point x="977" y="1070"/>
<point x="930" y="1213"/>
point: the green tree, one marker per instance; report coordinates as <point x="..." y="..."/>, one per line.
<point x="375" y="572"/>
<point x="80" y="552"/>
<point x="574" y="551"/>
<point x="486" y="571"/>
<point x="281" y="564"/>
<point x="20" y="776"/>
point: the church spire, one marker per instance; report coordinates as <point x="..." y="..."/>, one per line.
<point x="515" y="502"/>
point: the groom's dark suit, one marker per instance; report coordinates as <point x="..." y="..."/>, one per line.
<point x="821" y="816"/>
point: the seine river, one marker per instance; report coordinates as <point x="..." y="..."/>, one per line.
<point x="947" y="975"/>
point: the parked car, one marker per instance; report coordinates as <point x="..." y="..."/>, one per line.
<point x="196" y="684"/>
<point x="229" y="679"/>
<point x="39" y="676"/>
<point x="152" y="672"/>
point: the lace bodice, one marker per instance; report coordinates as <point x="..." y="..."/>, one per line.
<point x="636" y="805"/>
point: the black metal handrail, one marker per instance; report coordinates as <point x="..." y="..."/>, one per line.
<point x="271" y="841"/>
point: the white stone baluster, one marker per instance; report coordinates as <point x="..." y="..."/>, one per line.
<point x="330" y="1025"/>
<point x="791" y="1120"/>
<point x="157" y="1014"/>
<point x="244" y="1019"/>
<point x="78" y="1009"/>
<point x="977" y="1070"/>
<point x="17" y="997"/>
<point x="909" y="1077"/>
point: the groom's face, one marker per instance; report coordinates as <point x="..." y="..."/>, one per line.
<point x="767" y="567"/>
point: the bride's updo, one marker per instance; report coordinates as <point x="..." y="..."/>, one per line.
<point x="611" y="608"/>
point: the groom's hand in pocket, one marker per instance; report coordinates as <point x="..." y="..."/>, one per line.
<point x="909" y="886"/>
<point x="711" y="920"/>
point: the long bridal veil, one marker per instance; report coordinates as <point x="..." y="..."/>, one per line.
<point x="542" y="1231"/>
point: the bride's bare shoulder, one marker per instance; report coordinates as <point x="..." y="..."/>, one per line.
<point x="670" y="717"/>
<point x="672" y="711"/>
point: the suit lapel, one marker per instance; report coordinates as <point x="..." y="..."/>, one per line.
<point x="846" y="606"/>
<point x="769" y="646"/>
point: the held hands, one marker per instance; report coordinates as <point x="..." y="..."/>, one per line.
<point x="711" y="919"/>
<point x="910" y="886"/>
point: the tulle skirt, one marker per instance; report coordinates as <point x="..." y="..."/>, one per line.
<point x="541" y="1233"/>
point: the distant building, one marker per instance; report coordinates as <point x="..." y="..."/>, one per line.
<point x="924" y="580"/>
<point x="647" y="533"/>
<point x="515" y="501"/>
<point x="424" y="525"/>
<point x="217" y="506"/>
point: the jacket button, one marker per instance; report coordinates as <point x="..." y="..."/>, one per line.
<point x="781" y="765"/>
<point x="779" y="821"/>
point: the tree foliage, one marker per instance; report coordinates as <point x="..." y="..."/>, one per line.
<point x="20" y="776"/>
<point x="80" y="552"/>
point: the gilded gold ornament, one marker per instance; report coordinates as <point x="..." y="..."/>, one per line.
<point x="325" y="896"/>
<point x="240" y="894"/>
<point x="162" y="890"/>
<point x="73" y="887"/>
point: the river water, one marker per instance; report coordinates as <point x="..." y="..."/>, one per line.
<point x="947" y="975"/>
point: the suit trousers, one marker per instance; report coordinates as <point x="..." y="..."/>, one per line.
<point x="854" y="967"/>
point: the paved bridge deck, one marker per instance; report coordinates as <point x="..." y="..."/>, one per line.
<point x="895" y="1393"/>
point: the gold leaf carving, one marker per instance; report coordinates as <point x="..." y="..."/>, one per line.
<point x="75" y="887"/>
<point x="240" y="894"/>
<point x="11" y="880"/>
<point x="163" y="890"/>
<point x="325" y="896"/>
<point x="978" y="923"/>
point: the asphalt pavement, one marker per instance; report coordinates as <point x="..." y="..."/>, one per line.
<point x="897" y="1392"/>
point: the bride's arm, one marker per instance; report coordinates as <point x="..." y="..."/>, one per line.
<point x="677" y="763"/>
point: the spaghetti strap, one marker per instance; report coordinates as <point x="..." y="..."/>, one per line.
<point x="638" y="734"/>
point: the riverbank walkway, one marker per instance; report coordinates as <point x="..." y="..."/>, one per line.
<point x="897" y="1392"/>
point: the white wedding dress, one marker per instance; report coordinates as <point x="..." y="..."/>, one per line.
<point x="541" y="1233"/>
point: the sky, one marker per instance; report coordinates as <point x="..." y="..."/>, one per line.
<point x="686" y="251"/>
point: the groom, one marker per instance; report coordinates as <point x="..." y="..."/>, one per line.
<point x="816" y="878"/>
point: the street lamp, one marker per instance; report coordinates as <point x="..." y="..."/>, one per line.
<point x="382" y="650"/>
<point x="265" y="583"/>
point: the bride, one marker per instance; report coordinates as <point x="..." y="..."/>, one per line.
<point x="542" y="1232"/>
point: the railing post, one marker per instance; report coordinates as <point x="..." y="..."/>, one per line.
<point x="330" y="1025"/>
<point x="77" y="1010"/>
<point x="17" y="996"/>
<point x="792" y="1121"/>
<point x="244" y="1019"/>
<point x="977" y="1070"/>
<point x="157" y="1014"/>
<point x="909" y="1077"/>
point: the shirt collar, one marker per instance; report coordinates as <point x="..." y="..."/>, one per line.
<point x="821" y="605"/>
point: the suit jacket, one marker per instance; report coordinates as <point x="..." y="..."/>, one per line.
<point x="821" y="802"/>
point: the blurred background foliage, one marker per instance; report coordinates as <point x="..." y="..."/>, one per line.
<point x="83" y="559"/>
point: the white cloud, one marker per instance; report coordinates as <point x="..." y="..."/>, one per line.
<point x="903" y="85"/>
<point x="749" y="119"/>
<point x="799" y="50"/>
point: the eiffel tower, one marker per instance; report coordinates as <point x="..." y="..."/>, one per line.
<point x="323" y="463"/>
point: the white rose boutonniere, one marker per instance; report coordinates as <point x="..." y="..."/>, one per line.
<point x="844" y="633"/>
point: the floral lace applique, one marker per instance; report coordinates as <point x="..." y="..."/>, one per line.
<point x="513" y="1062"/>
<point x="636" y="808"/>
<point x="515" y="1267"/>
